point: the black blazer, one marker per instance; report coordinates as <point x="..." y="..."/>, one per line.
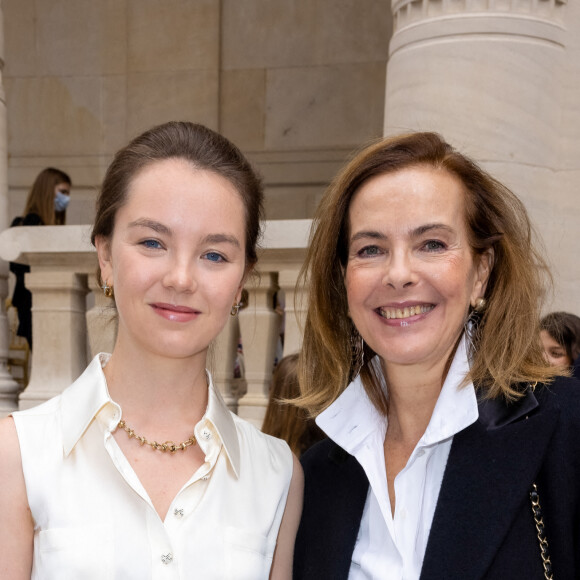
<point x="483" y="527"/>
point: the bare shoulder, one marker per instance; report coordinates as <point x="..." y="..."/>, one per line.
<point x="16" y="525"/>
<point x="9" y="450"/>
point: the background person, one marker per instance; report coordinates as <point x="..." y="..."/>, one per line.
<point x="45" y="206"/>
<point x="285" y="420"/>
<point x="139" y="470"/>
<point x="560" y="336"/>
<point x="421" y="359"/>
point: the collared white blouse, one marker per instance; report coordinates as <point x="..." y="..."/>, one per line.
<point x="94" y="520"/>
<point x="393" y="547"/>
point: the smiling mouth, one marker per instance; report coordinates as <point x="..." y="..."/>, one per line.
<point x="407" y="312"/>
<point x="174" y="308"/>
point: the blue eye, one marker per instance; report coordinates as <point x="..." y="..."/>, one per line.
<point x="434" y="246"/>
<point x="214" y="257"/>
<point x="368" y="251"/>
<point x="151" y="244"/>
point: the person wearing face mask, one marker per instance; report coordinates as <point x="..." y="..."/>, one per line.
<point x="46" y="205"/>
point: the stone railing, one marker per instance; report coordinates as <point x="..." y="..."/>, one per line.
<point x="72" y="320"/>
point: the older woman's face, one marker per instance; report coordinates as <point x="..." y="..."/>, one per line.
<point x="411" y="274"/>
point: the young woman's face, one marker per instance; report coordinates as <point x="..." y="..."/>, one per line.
<point x="176" y="259"/>
<point x="411" y="274"/>
<point x="554" y="352"/>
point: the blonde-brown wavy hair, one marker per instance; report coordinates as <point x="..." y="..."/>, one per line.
<point x="506" y="352"/>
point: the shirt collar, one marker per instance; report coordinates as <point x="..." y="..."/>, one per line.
<point x="351" y="418"/>
<point x="456" y="407"/>
<point x="221" y="418"/>
<point x="88" y="399"/>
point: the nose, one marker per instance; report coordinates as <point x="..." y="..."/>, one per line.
<point x="399" y="270"/>
<point x="180" y="275"/>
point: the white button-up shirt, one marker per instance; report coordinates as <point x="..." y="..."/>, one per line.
<point x="387" y="546"/>
<point x="94" y="520"/>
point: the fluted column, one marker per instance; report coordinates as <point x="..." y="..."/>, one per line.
<point x="260" y="327"/>
<point x="59" y="333"/>
<point x="8" y="386"/>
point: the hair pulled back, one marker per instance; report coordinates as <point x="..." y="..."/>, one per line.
<point x="205" y="150"/>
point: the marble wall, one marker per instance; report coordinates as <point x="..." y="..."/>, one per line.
<point x="296" y="84"/>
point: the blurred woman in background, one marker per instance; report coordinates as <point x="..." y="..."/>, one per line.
<point x="285" y="420"/>
<point x="45" y="206"/>
<point x="560" y="336"/>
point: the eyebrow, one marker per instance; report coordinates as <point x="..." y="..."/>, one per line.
<point x="220" y="239"/>
<point x="151" y="224"/>
<point x="417" y="232"/>
<point x="162" y="229"/>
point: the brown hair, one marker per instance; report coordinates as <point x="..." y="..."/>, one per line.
<point x="205" y="149"/>
<point x="40" y="200"/>
<point x="564" y="328"/>
<point x="283" y="419"/>
<point x="505" y="346"/>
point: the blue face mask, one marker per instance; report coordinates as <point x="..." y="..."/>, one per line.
<point x="61" y="201"/>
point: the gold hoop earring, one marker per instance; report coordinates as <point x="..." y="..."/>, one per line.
<point x="235" y="309"/>
<point x="108" y="290"/>
<point x="480" y="305"/>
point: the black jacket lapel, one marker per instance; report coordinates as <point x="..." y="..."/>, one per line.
<point x="492" y="465"/>
<point x="334" y="497"/>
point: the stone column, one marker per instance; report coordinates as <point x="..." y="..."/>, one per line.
<point x="223" y="356"/>
<point x="489" y="75"/>
<point x="8" y="386"/>
<point x="59" y="333"/>
<point x="484" y="73"/>
<point x="102" y="321"/>
<point x="260" y="327"/>
<point x="294" y="309"/>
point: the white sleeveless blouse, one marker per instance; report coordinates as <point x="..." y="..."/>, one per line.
<point x="94" y="520"/>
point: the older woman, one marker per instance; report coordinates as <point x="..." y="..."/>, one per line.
<point x="448" y="452"/>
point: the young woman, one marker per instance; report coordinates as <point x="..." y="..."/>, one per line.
<point x="453" y="449"/>
<point x="45" y="206"/>
<point x="138" y="470"/>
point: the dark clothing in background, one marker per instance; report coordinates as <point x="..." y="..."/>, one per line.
<point x="22" y="298"/>
<point x="576" y="368"/>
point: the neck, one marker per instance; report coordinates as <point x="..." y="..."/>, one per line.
<point x="413" y="391"/>
<point x="153" y="389"/>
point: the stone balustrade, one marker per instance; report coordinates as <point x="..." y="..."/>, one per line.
<point x="72" y="320"/>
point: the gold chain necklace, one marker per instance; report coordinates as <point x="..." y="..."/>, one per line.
<point x="167" y="446"/>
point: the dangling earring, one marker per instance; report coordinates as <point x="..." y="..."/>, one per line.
<point x="357" y="345"/>
<point x="480" y="305"/>
<point x="235" y="309"/>
<point x="108" y="290"/>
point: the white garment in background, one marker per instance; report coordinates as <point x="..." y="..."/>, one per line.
<point x="387" y="547"/>
<point x="94" y="520"/>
